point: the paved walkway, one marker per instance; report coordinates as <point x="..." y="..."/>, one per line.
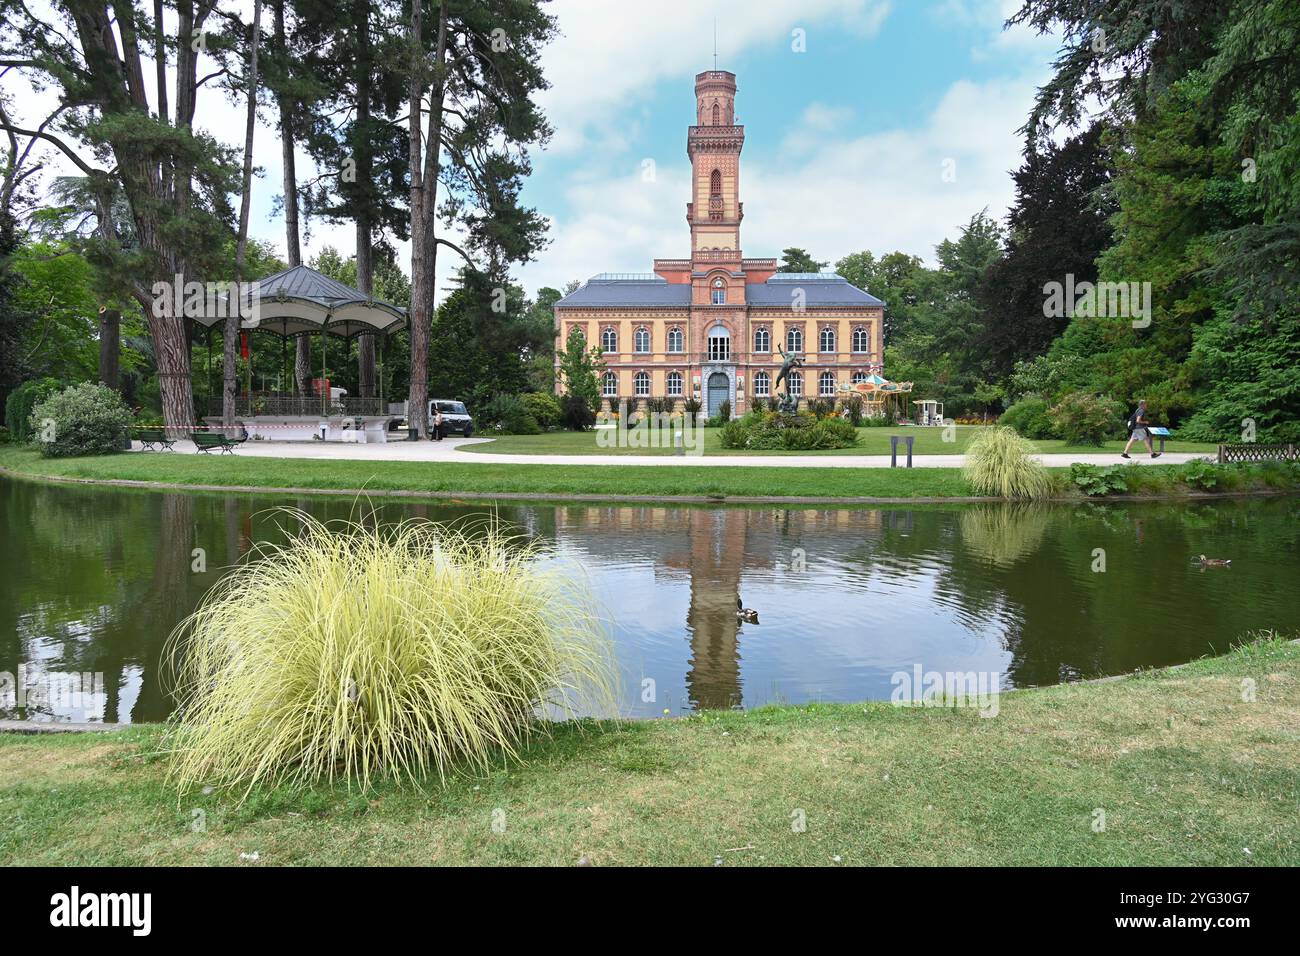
<point x="447" y="450"/>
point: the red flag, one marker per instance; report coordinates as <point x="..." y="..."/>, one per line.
<point x="243" y="346"/>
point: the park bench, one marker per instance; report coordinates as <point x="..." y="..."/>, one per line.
<point x="1253" y="451"/>
<point x="209" y="441"/>
<point x="154" y="439"/>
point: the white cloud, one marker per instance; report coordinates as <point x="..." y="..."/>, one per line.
<point x="611" y="54"/>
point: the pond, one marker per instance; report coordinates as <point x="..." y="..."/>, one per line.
<point x="92" y="581"/>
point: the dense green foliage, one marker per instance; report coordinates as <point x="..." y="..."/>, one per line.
<point x="81" y="420"/>
<point x="1084" y="419"/>
<point x="800" y="431"/>
<point x="21" y="401"/>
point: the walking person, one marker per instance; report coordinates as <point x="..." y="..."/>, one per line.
<point x="1138" y="431"/>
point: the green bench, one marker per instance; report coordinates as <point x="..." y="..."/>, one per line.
<point x="211" y="441"/>
<point x="154" y="439"/>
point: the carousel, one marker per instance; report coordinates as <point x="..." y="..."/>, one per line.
<point x="302" y="302"/>
<point x="879" y="394"/>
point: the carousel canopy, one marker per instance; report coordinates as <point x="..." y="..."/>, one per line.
<point x="301" y="300"/>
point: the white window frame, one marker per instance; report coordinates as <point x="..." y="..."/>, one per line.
<point x="641" y="384"/>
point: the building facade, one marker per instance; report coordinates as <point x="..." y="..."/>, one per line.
<point x="712" y="326"/>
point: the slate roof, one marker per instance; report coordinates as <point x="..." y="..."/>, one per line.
<point x="823" y="289"/>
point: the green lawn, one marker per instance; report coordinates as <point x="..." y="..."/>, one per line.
<point x="873" y="441"/>
<point x="1186" y="772"/>
<point x="487" y="479"/>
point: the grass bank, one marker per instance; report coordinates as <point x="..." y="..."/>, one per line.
<point x="489" y="479"/>
<point x="652" y="482"/>
<point x="1186" y="772"/>
<point x="871" y="441"/>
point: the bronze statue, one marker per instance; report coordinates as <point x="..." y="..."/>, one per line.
<point x="789" y="360"/>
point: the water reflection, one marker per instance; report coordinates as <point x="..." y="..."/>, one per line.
<point x="93" y="580"/>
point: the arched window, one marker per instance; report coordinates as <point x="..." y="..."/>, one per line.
<point x="861" y="340"/>
<point x="859" y="377"/>
<point x="826" y="384"/>
<point x="762" y="340"/>
<point x="715" y="185"/>
<point x="609" y="387"/>
<point x="674" y="384"/>
<point x="641" y="384"/>
<point x="717" y="115"/>
<point x="641" y="340"/>
<point x="826" y="342"/>
<point x="719" y="344"/>
<point x="794" y="340"/>
<point x="796" y="384"/>
<point x="719" y="292"/>
<point x="609" y="340"/>
<point x="762" y="384"/>
<point x="674" y="340"/>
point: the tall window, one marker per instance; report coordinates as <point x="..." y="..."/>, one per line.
<point x="675" y="340"/>
<point x="609" y="387"/>
<point x="826" y="384"/>
<point x="609" y="341"/>
<point x="641" y="383"/>
<point x="641" y="340"/>
<point x="674" y="384"/>
<point x="762" y="384"/>
<point x="827" y="340"/>
<point x="717" y="115"/>
<point x="796" y="384"/>
<point x="794" y="340"/>
<point x="861" y="340"/>
<point x="762" y="340"/>
<point x="719" y="344"/>
<point x="715" y="186"/>
<point x="719" y="292"/>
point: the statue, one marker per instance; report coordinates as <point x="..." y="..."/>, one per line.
<point x="789" y="360"/>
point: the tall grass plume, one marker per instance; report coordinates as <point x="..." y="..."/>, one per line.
<point x="358" y="652"/>
<point x="999" y="463"/>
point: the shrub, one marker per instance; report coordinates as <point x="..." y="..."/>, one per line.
<point x="87" y="419"/>
<point x="21" y="401"/>
<point x="798" y="431"/>
<point x="1203" y="475"/>
<point x="735" y="434"/>
<point x="508" y="415"/>
<point x="1095" y="482"/>
<point x="692" y="407"/>
<point x="821" y="407"/>
<point x="1085" y="419"/>
<point x="853" y="407"/>
<point x="1030" y="417"/>
<point x="998" y="463"/>
<point x="576" y="413"/>
<point x="433" y="648"/>
<point x="543" y="406"/>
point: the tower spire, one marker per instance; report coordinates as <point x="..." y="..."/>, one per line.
<point x="715" y="43"/>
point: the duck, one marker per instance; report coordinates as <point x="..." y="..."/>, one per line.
<point x="1214" y="562"/>
<point x="746" y="614"/>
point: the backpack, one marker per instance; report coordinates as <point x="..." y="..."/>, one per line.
<point x="1132" y="420"/>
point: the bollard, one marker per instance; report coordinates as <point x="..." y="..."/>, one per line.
<point x="893" y="449"/>
<point x="678" y="447"/>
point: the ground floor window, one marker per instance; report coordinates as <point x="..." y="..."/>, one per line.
<point x="641" y="383"/>
<point x="609" y="387"/>
<point x="674" y="384"/>
<point x="826" y="384"/>
<point x="796" y="384"/>
<point x="859" y="377"/>
<point x="762" y="384"/>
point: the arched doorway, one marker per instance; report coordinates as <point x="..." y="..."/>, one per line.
<point x="719" y="391"/>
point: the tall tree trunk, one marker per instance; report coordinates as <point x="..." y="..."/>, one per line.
<point x="229" y="379"/>
<point x="363" y="147"/>
<point x="424" y="194"/>
<point x="110" y="343"/>
<point x="293" y="250"/>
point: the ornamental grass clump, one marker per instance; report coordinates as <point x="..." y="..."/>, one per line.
<point x="998" y="463"/>
<point x="357" y="653"/>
